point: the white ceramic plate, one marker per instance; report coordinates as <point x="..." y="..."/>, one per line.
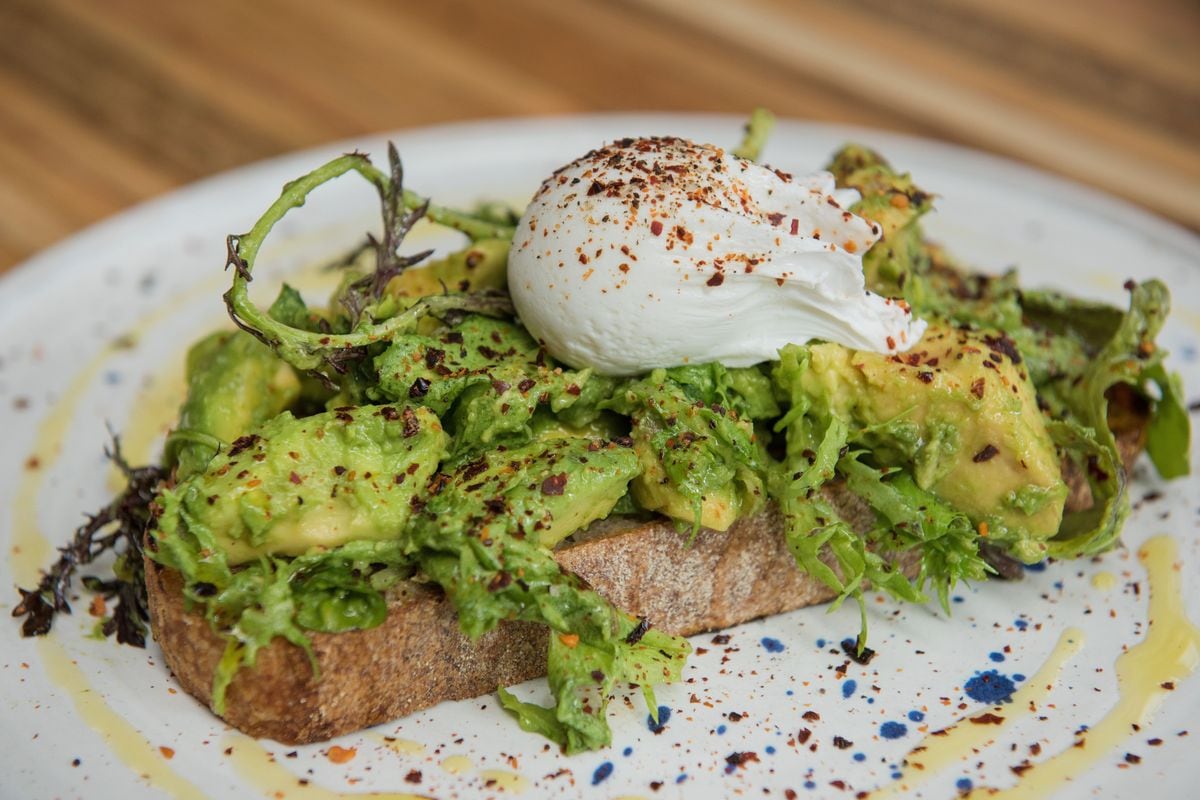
<point x="92" y="331"/>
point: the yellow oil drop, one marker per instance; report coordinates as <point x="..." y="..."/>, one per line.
<point x="405" y="747"/>
<point x="456" y="765"/>
<point x="505" y="781"/>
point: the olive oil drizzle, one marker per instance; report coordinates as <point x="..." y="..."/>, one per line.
<point x="1146" y="674"/>
<point x="949" y="746"/>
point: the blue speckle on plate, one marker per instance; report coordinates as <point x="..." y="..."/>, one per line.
<point x="772" y="645"/>
<point x="958" y="598"/>
<point x="897" y="775"/>
<point x="770" y="749"/>
<point x="1018" y="677"/>
<point x="628" y="751"/>
<point x="602" y="772"/>
<point x="810" y="784"/>
<point x="790" y="692"/>
<point x="1020" y="624"/>
<point x="720" y="730"/>
<point x="996" y="656"/>
<point x="893" y="730"/>
<point x="1038" y="567"/>
<point x="664" y="716"/>
<point x="112" y="377"/>
<point x="990" y="687"/>
<point x="682" y="777"/>
<point x="916" y="716"/>
<point x="849" y="687"/>
<point x="860" y="756"/>
<point x="964" y="784"/>
<point x="820" y="642"/>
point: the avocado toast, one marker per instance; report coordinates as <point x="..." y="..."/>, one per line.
<point x="704" y="444"/>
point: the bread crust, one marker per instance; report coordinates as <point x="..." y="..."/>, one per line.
<point x="418" y="657"/>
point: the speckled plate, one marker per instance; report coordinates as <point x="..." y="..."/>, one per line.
<point x="93" y="330"/>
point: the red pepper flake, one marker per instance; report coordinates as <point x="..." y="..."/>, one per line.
<point x="656" y="228"/>
<point x="925" y="376"/>
<point x="891" y="343"/>
<point x="555" y="484"/>
<point x="1168" y="685"/>
<point x="811" y="715"/>
<point x="570" y="640"/>
<point x="795" y="229"/>
<point x="802" y="735"/>
<point x="1133" y="758"/>
<point x="735" y="760"/>
<point x="391" y="414"/>
<point x="296" y="479"/>
<point x="596" y="188"/>
<point x="411" y="425"/>
<point x="988" y="718"/>
<point x="98" y="607"/>
<point x="340" y="755"/>
<point x="413" y="776"/>
<point x="988" y="452"/>
<point x="419" y="388"/>
<point x="243" y="443"/>
<point x="716" y="280"/>
<point x="167" y="752"/>
<point x="842" y="743"/>
<point x="977" y="387"/>
<point x="776" y="218"/>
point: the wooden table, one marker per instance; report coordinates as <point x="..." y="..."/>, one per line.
<point x="110" y="102"/>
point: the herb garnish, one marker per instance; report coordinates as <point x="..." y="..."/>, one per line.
<point x="118" y="527"/>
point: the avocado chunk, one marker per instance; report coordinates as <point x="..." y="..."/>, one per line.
<point x="959" y="408"/>
<point x="545" y="490"/>
<point x="292" y="485"/>
<point x="234" y="383"/>
<point x="483" y="265"/>
<point x="486" y="377"/>
<point x="700" y="458"/>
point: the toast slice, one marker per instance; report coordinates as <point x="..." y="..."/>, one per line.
<point x="419" y="657"/>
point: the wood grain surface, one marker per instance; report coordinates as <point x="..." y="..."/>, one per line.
<point x="107" y="103"/>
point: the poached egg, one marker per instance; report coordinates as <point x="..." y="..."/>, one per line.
<point x="659" y="252"/>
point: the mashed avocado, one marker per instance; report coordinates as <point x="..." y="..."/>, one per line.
<point x="293" y="485"/>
